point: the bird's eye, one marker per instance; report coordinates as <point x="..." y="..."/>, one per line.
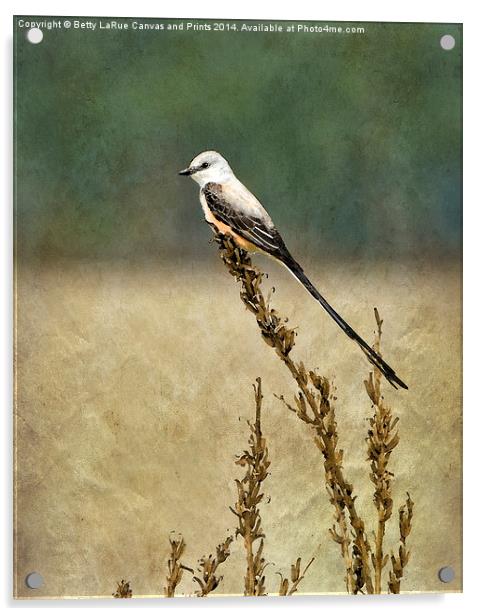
<point x="204" y="165"/>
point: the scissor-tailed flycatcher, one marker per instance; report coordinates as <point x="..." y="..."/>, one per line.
<point x="233" y="210"/>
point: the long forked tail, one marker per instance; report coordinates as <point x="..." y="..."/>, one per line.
<point x="372" y="357"/>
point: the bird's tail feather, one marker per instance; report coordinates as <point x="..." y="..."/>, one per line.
<point x="371" y="355"/>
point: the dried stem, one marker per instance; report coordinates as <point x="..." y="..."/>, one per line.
<point x="174" y="566"/>
<point x="255" y="460"/>
<point x="382" y="439"/>
<point x="296" y="577"/>
<point x="399" y="562"/>
<point x="314" y="406"/>
<point x="208" y="566"/>
<point x="340" y="534"/>
<point x="123" y="591"/>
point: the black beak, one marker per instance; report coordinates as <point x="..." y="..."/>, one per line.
<point x="185" y="171"/>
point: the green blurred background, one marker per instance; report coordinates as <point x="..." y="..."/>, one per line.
<point x="351" y="141"/>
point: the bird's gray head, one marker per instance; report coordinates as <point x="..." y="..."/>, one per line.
<point x="207" y="167"/>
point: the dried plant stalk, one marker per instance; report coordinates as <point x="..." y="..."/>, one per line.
<point x="399" y="562"/>
<point x="209" y="581"/>
<point x="174" y="566"/>
<point x="340" y="534"/>
<point x="314" y="406"/>
<point x="296" y="576"/>
<point x="382" y="440"/>
<point x="123" y="590"/>
<point x="256" y="462"/>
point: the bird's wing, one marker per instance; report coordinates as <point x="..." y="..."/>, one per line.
<point x="254" y="227"/>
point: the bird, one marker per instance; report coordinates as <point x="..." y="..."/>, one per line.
<point x="231" y="209"/>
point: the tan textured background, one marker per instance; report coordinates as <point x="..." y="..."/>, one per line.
<point x="134" y="384"/>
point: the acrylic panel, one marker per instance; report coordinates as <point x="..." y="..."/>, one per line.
<point x="269" y="403"/>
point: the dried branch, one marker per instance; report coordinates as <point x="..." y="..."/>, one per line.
<point x="313" y="405"/>
<point x="255" y="460"/>
<point x="123" y="591"/>
<point x="399" y="562"/>
<point x="382" y="439"/>
<point x="296" y="577"/>
<point x="340" y="534"/>
<point x="208" y="567"/>
<point x="174" y="566"/>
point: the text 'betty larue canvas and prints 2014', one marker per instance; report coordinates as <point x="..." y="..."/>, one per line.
<point x="269" y="403"/>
